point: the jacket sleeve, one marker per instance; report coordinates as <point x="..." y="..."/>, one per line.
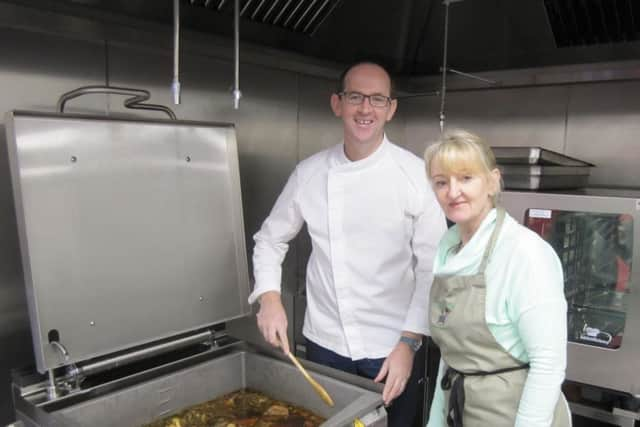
<point x="272" y="240"/>
<point x="429" y="226"/>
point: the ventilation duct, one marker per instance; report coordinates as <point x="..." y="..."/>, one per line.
<point x="592" y="22"/>
<point x="300" y="16"/>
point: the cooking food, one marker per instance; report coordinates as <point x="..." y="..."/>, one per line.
<point x="243" y="408"/>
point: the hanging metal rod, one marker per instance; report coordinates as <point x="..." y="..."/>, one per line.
<point x="236" y="33"/>
<point x="443" y="91"/>
<point x="175" y="85"/>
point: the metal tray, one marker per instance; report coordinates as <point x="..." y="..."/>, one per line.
<point x="522" y="177"/>
<point x="534" y="156"/>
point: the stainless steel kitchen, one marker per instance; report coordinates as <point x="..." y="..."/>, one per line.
<point x="144" y="142"/>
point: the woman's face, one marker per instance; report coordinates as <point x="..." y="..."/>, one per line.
<point x="465" y="197"/>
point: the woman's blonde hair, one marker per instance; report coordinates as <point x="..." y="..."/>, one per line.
<point x="459" y="151"/>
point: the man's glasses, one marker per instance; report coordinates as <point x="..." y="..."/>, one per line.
<point x="357" y="98"/>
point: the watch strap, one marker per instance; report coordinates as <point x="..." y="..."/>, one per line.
<point x="414" y="344"/>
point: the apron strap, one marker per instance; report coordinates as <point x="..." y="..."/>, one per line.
<point x="492" y="240"/>
<point x="457" y="397"/>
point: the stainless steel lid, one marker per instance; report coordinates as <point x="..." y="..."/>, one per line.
<point x="131" y="231"/>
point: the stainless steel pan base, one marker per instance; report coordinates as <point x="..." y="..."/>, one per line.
<point x="157" y="398"/>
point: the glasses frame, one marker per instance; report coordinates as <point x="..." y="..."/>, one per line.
<point x="345" y="95"/>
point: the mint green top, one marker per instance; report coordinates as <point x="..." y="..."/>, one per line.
<point x="526" y="310"/>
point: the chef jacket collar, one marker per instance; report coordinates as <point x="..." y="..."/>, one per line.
<point x="343" y="164"/>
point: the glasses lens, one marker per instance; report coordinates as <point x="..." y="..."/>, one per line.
<point x="354" y="97"/>
<point x="379" y="100"/>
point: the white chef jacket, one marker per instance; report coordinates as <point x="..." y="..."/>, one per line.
<point x="374" y="226"/>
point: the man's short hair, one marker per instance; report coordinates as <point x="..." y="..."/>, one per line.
<point x="343" y="75"/>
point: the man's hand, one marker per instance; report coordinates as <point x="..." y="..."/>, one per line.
<point x="397" y="369"/>
<point x="272" y="320"/>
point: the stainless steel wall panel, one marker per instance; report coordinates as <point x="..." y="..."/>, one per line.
<point x="318" y="128"/>
<point x="603" y="127"/>
<point x="37" y="69"/>
<point x="396" y="128"/>
<point x="421" y="122"/>
<point x="597" y="122"/>
<point x="519" y="117"/>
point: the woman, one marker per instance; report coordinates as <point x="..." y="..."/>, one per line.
<point x="497" y="307"/>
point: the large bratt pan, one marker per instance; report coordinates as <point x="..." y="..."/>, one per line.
<point x="159" y="397"/>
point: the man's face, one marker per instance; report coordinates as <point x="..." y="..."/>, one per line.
<point x="364" y="123"/>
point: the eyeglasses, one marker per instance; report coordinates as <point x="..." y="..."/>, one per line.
<point x="357" y="98"/>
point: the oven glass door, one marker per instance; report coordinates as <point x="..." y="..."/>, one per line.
<point x="595" y="250"/>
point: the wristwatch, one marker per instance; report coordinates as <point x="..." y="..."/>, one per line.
<point x="414" y="344"/>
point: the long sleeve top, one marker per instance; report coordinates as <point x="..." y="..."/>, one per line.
<point x="374" y="226"/>
<point x="526" y="310"/>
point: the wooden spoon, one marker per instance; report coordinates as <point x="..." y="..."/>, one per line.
<point x="317" y="387"/>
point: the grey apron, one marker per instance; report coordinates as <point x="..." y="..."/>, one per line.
<point x="483" y="383"/>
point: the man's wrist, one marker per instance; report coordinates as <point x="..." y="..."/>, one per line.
<point x="269" y="296"/>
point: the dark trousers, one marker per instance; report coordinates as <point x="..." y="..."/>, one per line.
<point x="402" y="410"/>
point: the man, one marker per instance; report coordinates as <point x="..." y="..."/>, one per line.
<point x="374" y="225"/>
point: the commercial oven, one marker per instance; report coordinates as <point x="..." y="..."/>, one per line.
<point x="133" y="248"/>
<point x="595" y="232"/>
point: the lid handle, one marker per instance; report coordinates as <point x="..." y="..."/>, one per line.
<point x="135" y="101"/>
